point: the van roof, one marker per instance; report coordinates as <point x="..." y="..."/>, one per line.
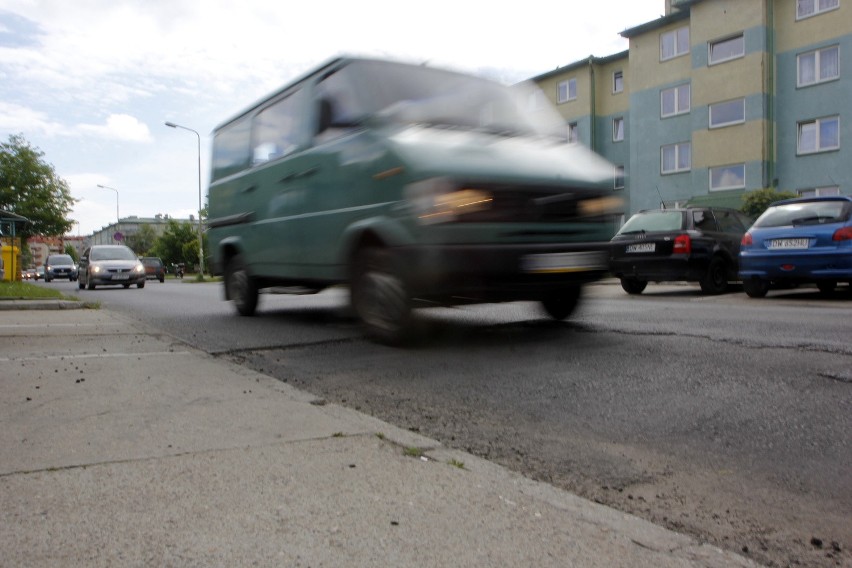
<point x="301" y="78"/>
<point x="333" y="62"/>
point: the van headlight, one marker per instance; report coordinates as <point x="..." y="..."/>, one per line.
<point x="439" y="200"/>
<point x="607" y="205"/>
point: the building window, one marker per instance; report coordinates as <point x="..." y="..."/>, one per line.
<point x="617" y="82"/>
<point x="566" y="91"/>
<point x="676" y="158"/>
<point x="726" y="49"/>
<point x="818" y="66"/>
<point x="573" y="132"/>
<point x="819" y="191"/>
<point x="674" y="101"/>
<point x="727" y="113"/>
<point x="619" y="177"/>
<point x="819" y="135"/>
<point x="674" y="43"/>
<point x="618" y="129"/>
<point x="808" y="8"/>
<point x="727" y="177"/>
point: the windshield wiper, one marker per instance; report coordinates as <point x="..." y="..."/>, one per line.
<point x="807" y="221"/>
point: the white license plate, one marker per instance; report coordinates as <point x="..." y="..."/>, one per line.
<point x="121" y="277"/>
<point x="788" y="244"/>
<point x="564" y="262"/>
<point x="641" y="247"/>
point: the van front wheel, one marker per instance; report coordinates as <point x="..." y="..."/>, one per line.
<point x="380" y="296"/>
<point x="241" y="287"/>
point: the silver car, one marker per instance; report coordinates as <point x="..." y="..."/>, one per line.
<point x="110" y="265"/>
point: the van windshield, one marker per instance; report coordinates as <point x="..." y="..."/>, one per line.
<point x="422" y="95"/>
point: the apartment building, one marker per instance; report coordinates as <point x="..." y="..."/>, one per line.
<point x="717" y="98"/>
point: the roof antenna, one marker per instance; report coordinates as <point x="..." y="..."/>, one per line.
<point x="662" y="203"/>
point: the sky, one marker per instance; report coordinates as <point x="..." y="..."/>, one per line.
<point x="91" y="83"/>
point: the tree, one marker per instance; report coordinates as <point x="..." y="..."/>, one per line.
<point x="143" y="240"/>
<point x="29" y="186"/>
<point x="758" y="201"/>
<point x="178" y="243"/>
<point x="72" y="252"/>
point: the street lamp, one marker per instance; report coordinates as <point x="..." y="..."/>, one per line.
<point x="117" y="218"/>
<point x="200" y="242"/>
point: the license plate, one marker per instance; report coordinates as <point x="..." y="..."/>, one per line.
<point x="641" y="247"/>
<point x="788" y="244"/>
<point x="121" y="277"/>
<point x="563" y="262"/>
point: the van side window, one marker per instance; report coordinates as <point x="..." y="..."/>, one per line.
<point x="337" y="93"/>
<point x="231" y="149"/>
<point x="277" y="129"/>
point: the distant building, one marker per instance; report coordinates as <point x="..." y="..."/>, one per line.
<point x="41" y="247"/>
<point x="129" y="226"/>
<point x="718" y="98"/>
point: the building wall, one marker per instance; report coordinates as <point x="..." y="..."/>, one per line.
<point x="764" y="143"/>
<point x="796" y="172"/>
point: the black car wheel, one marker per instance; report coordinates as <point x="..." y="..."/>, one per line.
<point x="755" y="287"/>
<point x="715" y="280"/>
<point x="562" y="304"/>
<point x="241" y="286"/>
<point x="380" y="297"/>
<point x="633" y="285"/>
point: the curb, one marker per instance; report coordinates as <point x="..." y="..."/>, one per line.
<point x="21" y="304"/>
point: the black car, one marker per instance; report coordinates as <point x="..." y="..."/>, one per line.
<point x="59" y="266"/>
<point x="695" y="244"/>
<point x="154" y="268"/>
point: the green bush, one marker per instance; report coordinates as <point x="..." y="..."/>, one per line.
<point x="758" y="201"/>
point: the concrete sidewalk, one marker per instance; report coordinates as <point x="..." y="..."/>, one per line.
<point x="120" y="446"/>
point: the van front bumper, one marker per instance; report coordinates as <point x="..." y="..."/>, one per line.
<point x="500" y="272"/>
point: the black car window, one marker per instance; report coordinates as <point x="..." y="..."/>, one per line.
<point x="728" y="222"/>
<point x="647" y="221"/>
<point x="60" y="259"/>
<point x="703" y="220"/>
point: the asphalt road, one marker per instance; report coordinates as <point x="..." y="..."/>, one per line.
<point x="723" y="417"/>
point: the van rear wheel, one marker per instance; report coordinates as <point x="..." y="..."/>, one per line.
<point x="560" y="305"/>
<point x="380" y="296"/>
<point x="241" y="287"/>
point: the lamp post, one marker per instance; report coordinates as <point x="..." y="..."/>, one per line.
<point x="117" y="218"/>
<point x="200" y="242"/>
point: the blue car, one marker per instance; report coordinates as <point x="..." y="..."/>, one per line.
<point x="806" y="240"/>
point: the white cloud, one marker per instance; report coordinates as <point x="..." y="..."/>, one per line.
<point x="16" y="118"/>
<point x="120" y="127"/>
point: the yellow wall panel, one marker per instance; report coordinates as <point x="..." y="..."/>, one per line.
<point x="729" y="145"/>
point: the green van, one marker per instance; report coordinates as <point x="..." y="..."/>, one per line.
<point x="411" y="185"/>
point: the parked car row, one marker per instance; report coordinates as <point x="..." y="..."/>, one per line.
<point x="805" y="240"/>
<point x="101" y="265"/>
